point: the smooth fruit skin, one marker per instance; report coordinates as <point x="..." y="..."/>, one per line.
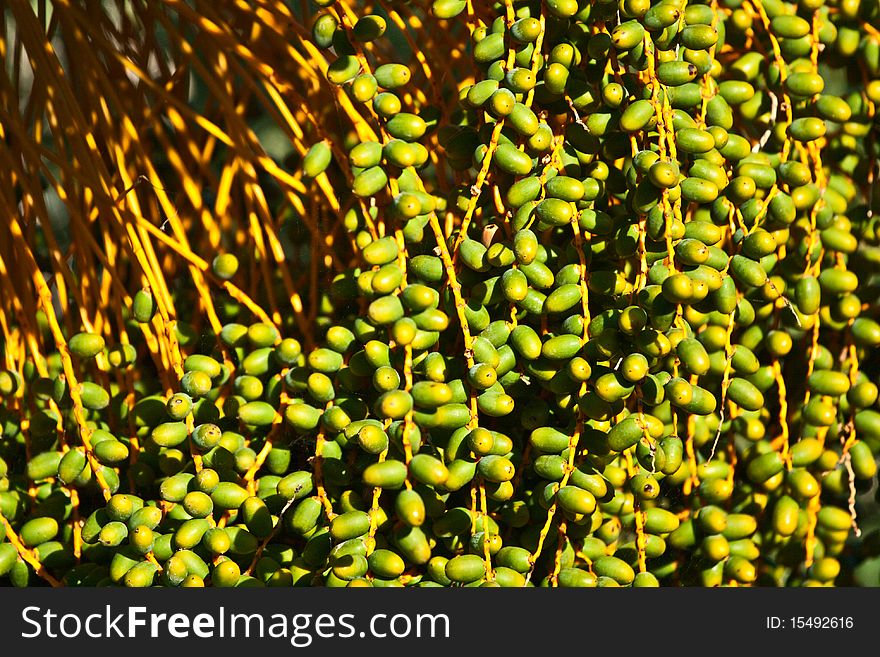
<point x="533" y="294"/>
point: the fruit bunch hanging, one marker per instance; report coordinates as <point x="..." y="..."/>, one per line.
<point x="455" y="293"/>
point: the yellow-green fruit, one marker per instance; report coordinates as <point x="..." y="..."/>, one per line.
<point x="549" y="440"/>
<point x="664" y="174"/>
<point x="387" y="474"/>
<point x="204" y="436"/>
<point x="349" y="525"/>
<point x="789" y="27"/>
<point x="694" y="140"/>
<point x="38" y="530"/>
<point x="627" y="35"/>
<point x="765" y="466"/>
<point x="71" y="465"/>
<point x="196" y="383"/>
<point x="86" y="345"/>
<point x="257" y="413"/>
<point x="465" y="568"/>
<point x="636" y="116"/>
<point x="228" y="495"/>
<point x="807" y="129"/>
<point x="141" y="575"/>
<point x="410" y="507"/>
<point x="295" y="486"/>
<point x="169" y="434"/>
<point x="317" y="159"/>
<point x="226" y="574"/>
<point x="143" y="306"/>
<point x="224" y="266"/>
<point x="676" y="73"/>
<point x="428" y="470"/>
<point x="392" y="76"/>
<point x="614" y="568"/>
<point x="511" y="160"/>
<point x="190" y="533"/>
<point x="496" y="468"/>
<point x="576" y="500"/>
<point x="660" y="521"/>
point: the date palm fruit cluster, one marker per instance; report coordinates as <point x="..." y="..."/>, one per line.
<point x="545" y="293"/>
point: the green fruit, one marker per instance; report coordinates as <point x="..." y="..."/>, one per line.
<point x="387" y="474"/>
<point x="698" y="190"/>
<point x="257" y="413"/>
<point x="627" y="35"/>
<point x="745" y="394"/>
<point x="369" y="28"/>
<point x="370" y="182"/>
<point x="805" y="84"/>
<point x="694" y="140"/>
<point x="807" y="129"/>
<point x="496" y="468"/>
<point x="305" y="516"/>
<point x="660" y="521"/>
<point x="392" y="76"/>
<point x="789" y="27"/>
<point x="225" y="265"/>
<point x="511" y="160"/>
<point x="827" y="382"/>
<point x="637" y="116"/>
<point x="143" y="306"/>
<point x="765" y="466"/>
<point x="664" y="174"/>
<point x="561" y="347"/>
<point x="317" y="159"/>
<point x="86" y="345"/>
<point x="8" y="557"/>
<point x="196" y="383"/>
<point x="428" y="470"/>
<point x="549" y="440"/>
<point x="523" y="120"/>
<point x="38" y="530"/>
<point x="676" y="73"/>
<point x="405" y="126"/>
<point x="576" y="500"/>
<point x="410" y="508"/>
<point x="526" y="342"/>
<point x="834" y="518"/>
<point x="169" y="434"/>
<point x="295" y="486"/>
<point x="866" y="332"/>
<point x="614" y="568"/>
<point x="349" y="525"/>
<point x="465" y="568"/>
<point x="748" y="272"/>
<point x="625" y="433"/>
<point x="228" y="495"/>
<point x="563" y="298"/>
<point x="72" y="465"/>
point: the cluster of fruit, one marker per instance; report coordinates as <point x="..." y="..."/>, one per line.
<point x="609" y="319"/>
